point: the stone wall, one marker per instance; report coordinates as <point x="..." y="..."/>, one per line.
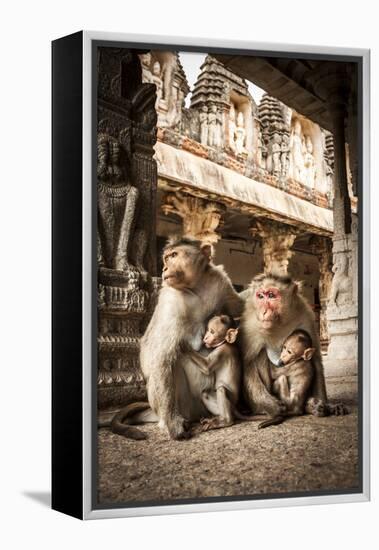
<point x="126" y="188"/>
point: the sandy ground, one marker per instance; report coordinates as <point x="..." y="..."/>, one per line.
<point x="303" y="454"/>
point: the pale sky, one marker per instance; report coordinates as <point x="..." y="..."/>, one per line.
<point x="192" y="62"/>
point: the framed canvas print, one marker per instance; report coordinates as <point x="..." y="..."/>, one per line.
<point x="210" y="275"/>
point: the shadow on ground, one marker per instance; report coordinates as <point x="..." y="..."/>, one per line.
<point x="41" y="497"/>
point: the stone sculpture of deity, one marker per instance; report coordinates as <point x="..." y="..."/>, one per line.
<point x="296" y="147"/>
<point x="219" y="132"/>
<point x="341" y="283"/>
<point x="212" y="126"/>
<point x="232" y="128"/>
<point x="276" y="154"/>
<point x="117" y="201"/>
<point x="203" y="118"/>
<point x="284" y="155"/>
<point x="147" y="75"/>
<point x="309" y="163"/>
<point x="157" y="80"/>
<point x="240" y="134"/>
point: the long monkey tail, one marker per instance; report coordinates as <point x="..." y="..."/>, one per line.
<point x="250" y="418"/>
<point x="271" y="422"/>
<point x="241" y="416"/>
<point x="119" y="424"/>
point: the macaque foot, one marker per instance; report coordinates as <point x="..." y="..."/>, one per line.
<point x="214" y="423"/>
<point x="275" y="408"/>
<point x="179" y="428"/>
<point x="317" y="407"/>
<point x="339" y="409"/>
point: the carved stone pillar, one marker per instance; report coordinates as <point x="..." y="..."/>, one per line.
<point x="322" y="248"/>
<point x="277" y="240"/>
<point x="334" y="82"/>
<point x="127" y="175"/>
<point x="200" y="217"/>
<point x="342" y="312"/>
<point x="342" y="206"/>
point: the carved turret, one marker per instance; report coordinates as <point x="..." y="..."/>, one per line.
<point x="225" y="97"/>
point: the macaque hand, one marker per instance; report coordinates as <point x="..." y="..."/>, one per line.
<point x="274" y="407"/>
<point x="178" y="428"/>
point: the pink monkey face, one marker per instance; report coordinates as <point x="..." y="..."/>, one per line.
<point x="269" y="305"/>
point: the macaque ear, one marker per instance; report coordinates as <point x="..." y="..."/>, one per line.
<point x="207" y="251"/>
<point x="308" y="354"/>
<point x="231" y="335"/>
<point x="298" y="287"/>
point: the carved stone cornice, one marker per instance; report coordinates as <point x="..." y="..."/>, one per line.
<point x="184" y="172"/>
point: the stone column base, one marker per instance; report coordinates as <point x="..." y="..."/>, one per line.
<point x="342" y="357"/>
<point x="342" y="388"/>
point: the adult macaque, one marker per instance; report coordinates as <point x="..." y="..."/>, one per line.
<point x="293" y="376"/>
<point x="274" y="309"/>
<point x="192" y="289"/>
<point x="223" y="364"/>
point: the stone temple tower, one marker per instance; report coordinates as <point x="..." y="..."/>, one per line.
<point x="225" y="108"/>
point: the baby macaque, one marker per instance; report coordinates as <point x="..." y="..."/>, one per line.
<point x="293" y="375"/>
<point x="224" y="364"/>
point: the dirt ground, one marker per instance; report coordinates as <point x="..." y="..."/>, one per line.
<point x="303" y="454"/>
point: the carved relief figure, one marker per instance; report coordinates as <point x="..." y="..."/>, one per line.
<point x="232" y="128"/>
<point x="117" y="200"/>
<point x="147" y="75"/>
<point x="179" y="106"/>
<point x="219" y="130"/>
<point x="341" y="284"/>
<point x="309" y="163"/>
<point x="276" y="154"/>
<point x="212" y="126"/>
<point x="240" y="134"/>
<point x="157" y="80"/>
<point x="284" y="155"/>
<point x="203" y="118"/>
<point x="259" y="151"/>
<point x="296" y="147"/>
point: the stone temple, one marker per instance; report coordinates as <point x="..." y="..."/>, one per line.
<point x="271" y="185"/>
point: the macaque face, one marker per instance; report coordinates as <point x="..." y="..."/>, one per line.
<point x="216" y="332"/>
<point x="293" y="350"/>
<point x="268" y="300"/>
<point x="183" y="265"/>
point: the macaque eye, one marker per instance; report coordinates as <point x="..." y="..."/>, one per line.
<point x="271" y="295"/>
<point x="260" y="296"/>
<point x="212" y="331"/>
<point x="173" y="254"/>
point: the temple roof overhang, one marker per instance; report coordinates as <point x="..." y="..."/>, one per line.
<point x="180" y="170"/>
